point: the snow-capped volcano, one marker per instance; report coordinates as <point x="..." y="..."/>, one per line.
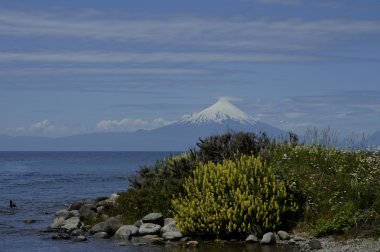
<point x="219" y="112"/>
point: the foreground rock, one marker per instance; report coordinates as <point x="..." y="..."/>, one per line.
<point x="149" y="229"/>
<point x="71" y="224"/>
<point x="109" y="226"/>
<point x="170" y="227"/>
<point x="172" y="236"/>
<point x="252" y="239"/>
<point x="124" y="233"/>
<point x="283" y="235"/>
<point x="155" y="218"/>
<point x="268" y="238"/>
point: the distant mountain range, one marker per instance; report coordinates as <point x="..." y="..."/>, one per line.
<point x="178" y="136"/>
<point x="216" y="119"/>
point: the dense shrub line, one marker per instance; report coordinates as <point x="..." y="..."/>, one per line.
<point x="232" y="176"/>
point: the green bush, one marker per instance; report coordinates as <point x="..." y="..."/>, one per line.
<point x="151" y="189"/>
<point x="231" y="198"/>
<point x="337" y="187"/>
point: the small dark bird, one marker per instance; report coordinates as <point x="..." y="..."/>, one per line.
<point x="12" y="204"/>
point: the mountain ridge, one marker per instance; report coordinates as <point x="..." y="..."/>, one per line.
<point x="178" y="136"/>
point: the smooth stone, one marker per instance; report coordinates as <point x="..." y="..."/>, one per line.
<point x="114" y="223"/>
<point x="171" y="227"/>
<point x="76" y="205"/>
<point x="109" y="201"/>
<point x="314" y="244"/>
<point x="81" y="238"/>
<point x="123" y="234"/>
<point x="291" y="241"/>
<point x="71" y="224"/>
<point x="101" y="235"/>
<point x="168" y="221"/>
<point x="171" y="236"/>
<point x="73" y="213"/>
<point x="155" y="218"/>
<point x="62" y="213"/>
<point x="138" y="223"/>
<point x="252" y="238"/>
<point x="149" y="228"/>
<point x="283" y="235"/>
<point x="101" y="227"/>
<point x="268" y="238"/>
<point x="61" y="236"/>
<point x="87" y="211"/>
<point x="192" y="244"/>
<point x="57" y="222"/>
<point x="134" y="230"/>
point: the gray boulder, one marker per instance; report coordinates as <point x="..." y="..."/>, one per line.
<point x="87" y="211"/>
<point x="172" y="235"/>
<point x="268" y="238"/>
<point x="62" y="213"/>
<point x="123" y="234"/>
<point x="114" y="223"/>
<point x="74" y="213"/>
<point x="171" y="227"/>
<point x="252" y="238"/>
<point x="76" y="205"/>
<point x="109" y="226"/>
<point x="314" y="244"/>
<point x="283" y="235"/>
<point x="71" y="224"/>
<point x="149" y="229"/>
<point x="134" y="230"/>
<point x="138" y="223"/>
<point x="101" y="227"/>
<point x="57" y="222"/>
<point x="101" y="235"/>
<point x="155" y="218"/>
<point x="168" y="220"/>
<point x="108" y="201"/>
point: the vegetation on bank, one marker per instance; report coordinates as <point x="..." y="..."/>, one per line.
<point x="240" y="183"/>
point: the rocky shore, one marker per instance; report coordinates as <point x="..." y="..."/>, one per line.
<point x="85" y="219"/>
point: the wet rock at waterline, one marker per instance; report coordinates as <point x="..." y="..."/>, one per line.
<point x="149" y="229"/>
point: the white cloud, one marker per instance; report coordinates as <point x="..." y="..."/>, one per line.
<point x="41" y="128"/>
<point x="129" y="125"/>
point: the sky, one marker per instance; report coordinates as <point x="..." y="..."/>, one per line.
<point x="74" y="67"/>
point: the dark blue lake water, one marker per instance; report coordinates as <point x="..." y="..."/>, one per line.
<point x="40" y="183"/>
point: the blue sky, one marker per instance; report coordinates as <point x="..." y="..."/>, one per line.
<point x="70" y="67"/>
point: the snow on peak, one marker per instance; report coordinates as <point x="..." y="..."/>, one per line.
<point x="222" y="110"/>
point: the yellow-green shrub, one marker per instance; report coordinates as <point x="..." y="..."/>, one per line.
<point x="231" y="198"/>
